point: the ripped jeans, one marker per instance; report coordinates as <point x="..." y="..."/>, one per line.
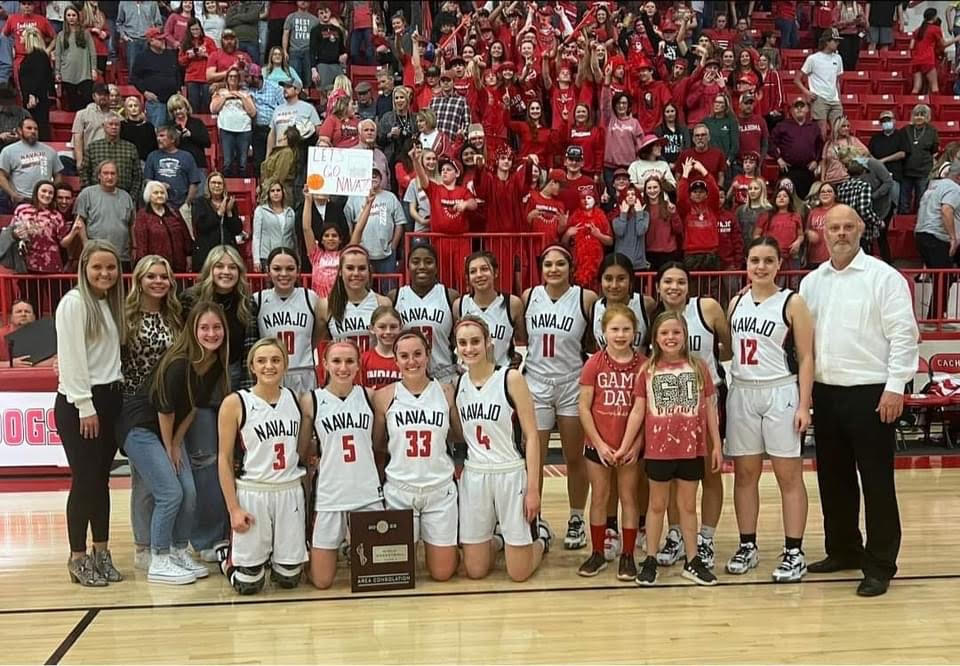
<point x="211" y="523"/>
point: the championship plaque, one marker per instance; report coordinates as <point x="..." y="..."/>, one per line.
<point x="382" y="552"/>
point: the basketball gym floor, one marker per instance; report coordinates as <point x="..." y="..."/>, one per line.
<point x="556" y="617"/>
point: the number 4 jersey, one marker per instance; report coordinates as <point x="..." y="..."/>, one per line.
<point x="489" y="426"/>
<point x="762" y="340"/>
<point x="347" y="476"/>
<point x="267" y="442"/>
<point x="417" y="429"/>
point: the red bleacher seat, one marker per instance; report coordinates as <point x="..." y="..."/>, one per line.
<point x="856" y="83"/>
<point x="896" y="61"/>
<point x="874" y="104"/>
<point x="901" y="40"/>
<point x="869" y="61"/>
<point x="894" y="83"/>
<point x="60" y="145"/>
<point x="793" y="58"/>
<point x="905" y="104"/>
<point x="949" y="130"/>
<point x="864" y="129"/>
<point x="770" y="171"/>
<point x="900" y="237"/>
<point x="852" y="106"/>
<point x="366" y="73"/>
<point x="72" y="181"/>
<point x="945" y="106"/>
<point x="61" y="125"/>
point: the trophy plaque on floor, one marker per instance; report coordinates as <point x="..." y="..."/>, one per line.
<point x="382" y="552"/>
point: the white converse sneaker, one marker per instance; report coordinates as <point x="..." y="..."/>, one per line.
<point x="210" y="554"/>
<point x="141" y="559"/>
<point x="747" y="557"/>
<point x="672" y="549"/>
<point x="183" y="559"/>
<point x="792" y="567"/>
<point x="611" y="545"/>
<point x="164" y="570"/>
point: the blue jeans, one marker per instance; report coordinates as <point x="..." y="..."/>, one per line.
<point x="361" y="46"/>
<point x="134" y="48"/>
<point x="173" y="491"/>
<point x="6" y="59"/>
<point x="263" y="29"/>
<point x="788" y="33"/>
<point x="234" y="146"/>
<point x="210" y="523"/>
<point x="908" y="187"/>
<point x="198" y="94"/>
<point x="141" y="508"/>
<point x="156" y="113"/>
<point x="252" y="49"/>
<point x="112" y="39"/>
<point x="300" y="61"/>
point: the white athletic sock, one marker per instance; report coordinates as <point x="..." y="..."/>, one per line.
<point x="576" y="512"/>
<point x="707" y="532"/>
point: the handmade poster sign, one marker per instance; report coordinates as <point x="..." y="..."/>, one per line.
<point x="345" y="171"/>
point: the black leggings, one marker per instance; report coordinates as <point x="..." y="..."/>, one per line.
<point x="90" y="460"/>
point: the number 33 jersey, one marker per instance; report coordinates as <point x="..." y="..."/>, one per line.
<point x="347" y="476"/>
<point x="268" y="438"/>
<point x="417" y="429"/>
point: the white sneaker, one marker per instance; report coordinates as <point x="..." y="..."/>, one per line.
<point x="792" y="567"/>
<point x="672" y="548"/>
<point x="164" y="570"/>
<point x="611" y="545"/>
<point x="747" y="557"/>
<point x="183" y="559"/>
<point x="576" y="536"/>
<point x="141" y="559"/>
<point x="210" y="554"/>
<point x="705" y="551"/>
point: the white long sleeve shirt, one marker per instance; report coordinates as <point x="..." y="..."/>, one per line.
<point x="85" y="363"/>
<point x="865" y="330"/>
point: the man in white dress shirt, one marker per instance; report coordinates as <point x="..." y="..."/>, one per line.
<point x="866" y="348"/>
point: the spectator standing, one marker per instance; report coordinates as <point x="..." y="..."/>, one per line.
<point x="27" y="19"/>
<point x="235" y="110"/>
<point x="771" y="103"/>
<point x="664" y="238"/>
<point x="384" y="226"/>
<point x="859" y="379"/>
<point x="858" y="195"/>
<point x="243" y="18"/>
<point x="851" y="21"/>
<point x="195" y="52"/>
<point x="114" y="149"/>
<point x="297" y="28"/>
<point x="328" y="50"/>
<point x="157" y="76"/>
<point x="817" y="250"/>
<point x="134" y="18"/>
<point x="927" y="45"/>
<point x="215" y="219"/>
<point x="366" y="106"/>
<point x="395" y="128"/>
<point x="698" y="203"/>
<point x="724" y="131"/>
<point x="368" y="141"/>
<point x="756" y="207"/>
<point x="174" y="167"/>
<point x="823" y="70"/>
<point x="278" y="68"/>
<point x="274" y="225"/>
<point x="194" y="137"/>
<point x="359" y="15"/>
<point x="924" y="142"/>
<point x="754" y="137"/>
<point x="212" y="21"/>
<point x="88" y="123"/>
<point x="8" y="7"/>
<point x="159" y="229"/>
<point x="630" y="230"/>
<point x="883" y="16"/>
<point x="40" y="224"/>
<point x="75" y="56"/>
<point x="712" y="158"/>
<point x="37" y="85"/>
<point x="96" y="22"/>
<point x="649" y="164"/>
<point x="266" y="96"/>
<point x="623" y="134"/>
<point x="137" y="129"/>
<point x="385" y="87"/>
<point x="890" y="146"/>
<point x="105" y="212"/>
<point x="450" y="108"/>
<point x="178" y="24"/>
<point x="288" y="113"/>
<point x="676" y="137"/>
<point x="832" y="169"/>
<point x="797" y="144"/>
<point x="219" y="63"/>
<point x="937" y="232"/>
<point x="23" y="164"/>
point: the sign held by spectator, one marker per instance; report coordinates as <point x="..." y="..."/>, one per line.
<point x="344" y="171"/>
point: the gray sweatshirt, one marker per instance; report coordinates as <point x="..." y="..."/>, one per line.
<point x="630" y="237"/>
<point x="75" y="65"/>
<point x="135" y="18"/>
<point x="386" y="215"/>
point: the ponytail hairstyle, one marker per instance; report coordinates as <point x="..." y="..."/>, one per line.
<point x="338" y="294"/>
<point x="267" y="342"/>
<point x="624" y="262"/>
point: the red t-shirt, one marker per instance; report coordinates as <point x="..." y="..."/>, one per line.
<point x="221" y="61"/>
<point x="712" y="158"/>
<point x="443" y="218"/>
<point x="613" y="385"/>
<point x="822" y="14"/>
<point x="784" y="226"/>
<point x="362" y="16"/>
<point x="786" y="9"/>
<point x="724" y="39"/>
<point x="17" y="23"/>
<point x="562" y="99"/>
<point x="377" y="371"/>
<point x="817" y="252"/>
<point x="675" y="424"/>
<point x="572" y="190"/>
<point x="548" y="222"/>
<point x="925" y="50"/>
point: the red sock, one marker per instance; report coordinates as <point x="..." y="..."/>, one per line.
<point x="596" y="536"/>
<point x="629" y="540"/>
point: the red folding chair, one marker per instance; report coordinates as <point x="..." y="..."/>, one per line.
<point x="856" y="83"/>
<point x="852" y="106"/>
<point x="949" y="130"/>
<point x="869" y="61"/>
<point x="896" y="61"/>
<point x="893" y="83"/>
<point x="945" y="106"/>
<point x="61" y="125"/>
<point x="873" y="105"/>
<point x="793" y="58"/>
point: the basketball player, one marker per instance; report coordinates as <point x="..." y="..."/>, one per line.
<point x="425" y="304"/>
<point x="617" y="286"/>
<point x="261" y="482"/>
<point x="413" y="420"/>
<point x="351" y="304"/>
<point x="772" y="336"/>
<point x="555" y="315"/>
<point x="340" y="415"/>
<point x="710" y="341"/>
<point x="291" y="313"/>
<point x="500" y="481"/>
<point x="502" y="312"/>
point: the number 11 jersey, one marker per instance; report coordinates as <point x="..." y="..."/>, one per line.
<point x="555" y="331"/>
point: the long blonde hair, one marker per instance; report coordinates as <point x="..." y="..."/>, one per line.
<point x="342" y="83"/>
<point x="93" y="328"/>
<point x="656" y="354"/>
<point x="205" y="289"/>
<point x="186" y="347"/>
<point x="32" y="40"/>
<point x="170" y="310"/>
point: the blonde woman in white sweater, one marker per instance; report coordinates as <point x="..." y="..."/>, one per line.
<point x="274" y="224"/>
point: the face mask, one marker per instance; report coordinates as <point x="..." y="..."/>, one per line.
<point x="887" y="125"/>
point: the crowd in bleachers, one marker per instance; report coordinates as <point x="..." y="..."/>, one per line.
<point x="664" y="130"/>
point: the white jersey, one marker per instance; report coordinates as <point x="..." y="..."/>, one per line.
<point x="636" y="304"/>
<point x="762" y="339"/>
<point x="268" y="438"/>
<point x="347" y="477"/>
<point x="555" y="333"/>
<point x="487" y="416"/>
<point x="432" y="316"/>
<point x="417" y="429"/>
<point x="355" y="325"/>
<point x="703" y="341"/>
<point x="500" y="322"/>
<point x="291" y="320"/>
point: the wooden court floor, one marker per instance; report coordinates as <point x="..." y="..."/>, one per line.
<point x="556" y="617"/>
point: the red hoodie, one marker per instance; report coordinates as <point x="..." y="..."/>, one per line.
<point x="196" y="65"/>
<point x="730" y="248"/>
<point x="650" y="100"/>
<point x="699" y="219"/>
<point x="591" y="140"/>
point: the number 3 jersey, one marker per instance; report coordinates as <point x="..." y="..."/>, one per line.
<point x="267" y="440"/>
<point x="555" y="331"/>
<point x="489" y="427"/>
<point x="762" y="340"/>
<point x="417" y="429"/>
<point x="347" y="476"/>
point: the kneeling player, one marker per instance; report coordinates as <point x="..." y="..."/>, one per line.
<point x="341" y="417"/>
<point x="497" y="485"/>
<point x="263" y="491"/>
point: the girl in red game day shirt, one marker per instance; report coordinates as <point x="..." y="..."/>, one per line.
<point x="676" y="405"/>
<point x="606" y="396"/>
<point x="378" y="366"/>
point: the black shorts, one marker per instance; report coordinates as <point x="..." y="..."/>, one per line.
<point x="591" y="454"/>
<point x="722" y="409"/>
<point x="685" y="469"/>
